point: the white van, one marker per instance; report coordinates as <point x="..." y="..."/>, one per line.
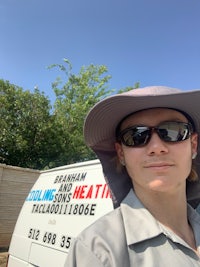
<point x="60" y="205"/>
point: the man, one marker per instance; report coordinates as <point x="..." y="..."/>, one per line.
<point x="147" y="141"/>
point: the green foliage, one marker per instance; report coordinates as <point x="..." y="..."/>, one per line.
<point x="36" y="135"/>
<point x="136" y="85"/>
<point x="73" y="101"/>
<point x="26" y="128"/>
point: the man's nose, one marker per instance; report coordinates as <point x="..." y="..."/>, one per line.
<point x="156" y="145"/>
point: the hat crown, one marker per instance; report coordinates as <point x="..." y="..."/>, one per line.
<point x="152" y="90"/>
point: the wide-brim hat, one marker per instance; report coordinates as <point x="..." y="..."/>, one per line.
<point x="102" y="120"/>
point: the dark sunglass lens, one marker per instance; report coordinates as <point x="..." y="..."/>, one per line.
<point x="173" y="131"/>
<point x="136" y="136"/>
<point x="184" y="133"/>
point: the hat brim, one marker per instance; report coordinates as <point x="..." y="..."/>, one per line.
<point x="101" y="122"/>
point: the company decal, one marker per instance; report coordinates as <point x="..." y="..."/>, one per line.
<point x="65" y="197"/>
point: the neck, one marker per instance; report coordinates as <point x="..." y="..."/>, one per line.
<point x="169" y="210"/>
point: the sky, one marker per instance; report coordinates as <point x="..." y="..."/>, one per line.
<point x="152" y="42"/>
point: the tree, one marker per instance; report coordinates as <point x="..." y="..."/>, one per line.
<point x="128" y="88"/>
<point x="35" y="135"/>
<point x="28" y="138"/>
<point x="73" y="101"/>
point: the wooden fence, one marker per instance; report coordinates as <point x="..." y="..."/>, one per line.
<point x="15" y="183"/>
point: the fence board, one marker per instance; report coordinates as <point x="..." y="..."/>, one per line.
<point x="15" y="183"/>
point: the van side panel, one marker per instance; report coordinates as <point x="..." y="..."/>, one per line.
<point x="60" y="205"/>
<point x="48" y="261"/>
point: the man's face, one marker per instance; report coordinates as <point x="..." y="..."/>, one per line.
<point x="158" y="166"/>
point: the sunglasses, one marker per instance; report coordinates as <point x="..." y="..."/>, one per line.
<point x="172" y="131"/>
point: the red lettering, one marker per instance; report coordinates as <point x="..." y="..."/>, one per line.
<point x="76" y="191"/>
<point x="103" y="190"/>
<point x="82" y="191"/>
<point x="91" y="191"/>
<point x="108" y="194"/>
<point x="89" y="194"/>
<point x="97" y="191"/>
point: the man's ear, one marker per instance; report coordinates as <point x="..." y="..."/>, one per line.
<point x="194" y="143"/>
<point x="120" y="153"/>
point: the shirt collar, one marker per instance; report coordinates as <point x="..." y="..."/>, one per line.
<point x="143" y="226"/>
<point x="194" y="219"/>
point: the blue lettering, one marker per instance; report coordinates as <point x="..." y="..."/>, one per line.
<point x="41" y="195"/>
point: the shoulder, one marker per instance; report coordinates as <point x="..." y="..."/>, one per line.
<point x="106" y="229"/>
<point x="105" y="239"/>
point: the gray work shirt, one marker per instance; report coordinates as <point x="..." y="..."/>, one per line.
<point x="131" y="236"/>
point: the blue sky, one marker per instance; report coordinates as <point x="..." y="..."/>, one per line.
<point x="153" y="42"/>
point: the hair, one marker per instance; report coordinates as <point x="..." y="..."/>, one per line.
<point x="193" y="176"/>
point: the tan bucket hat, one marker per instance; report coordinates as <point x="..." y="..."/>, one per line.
<point x="102" y="120"/>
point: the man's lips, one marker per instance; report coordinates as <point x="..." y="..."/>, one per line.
<point x="158" y="165"/>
